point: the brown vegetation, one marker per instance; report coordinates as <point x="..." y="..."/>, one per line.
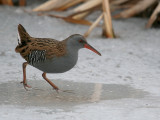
<point x="80" y="9"/>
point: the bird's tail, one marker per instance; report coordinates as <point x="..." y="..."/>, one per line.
<point x="23" y="38"/>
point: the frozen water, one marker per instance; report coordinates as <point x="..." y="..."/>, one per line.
<point x="41" y="94"/>
<point x="122" y="84"/>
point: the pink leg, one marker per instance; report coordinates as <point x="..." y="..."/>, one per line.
<point x="24" y="76"/>
<point x="51" y="83"/>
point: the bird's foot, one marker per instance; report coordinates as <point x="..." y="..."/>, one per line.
<point x="26" y="86"/>
<point x="67" y="91"/>
<point x="57" y="89"/>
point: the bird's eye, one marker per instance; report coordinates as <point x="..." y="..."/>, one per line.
<point x="81" y="41"/>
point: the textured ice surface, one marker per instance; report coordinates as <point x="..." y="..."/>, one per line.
<point x="129" y="63"/>
<point x="74" y="93"/>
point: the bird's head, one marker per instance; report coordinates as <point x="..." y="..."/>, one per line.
<point x="77" y="42"/>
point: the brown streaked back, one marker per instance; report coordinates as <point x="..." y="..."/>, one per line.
<point x="29" y="44"/>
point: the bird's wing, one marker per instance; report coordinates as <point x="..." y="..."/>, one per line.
<point x="36" y="56"/>
<point x="50" y="46"/>
<point x="40" y="49"/>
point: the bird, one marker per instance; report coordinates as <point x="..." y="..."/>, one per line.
<point x="49" y="55"/>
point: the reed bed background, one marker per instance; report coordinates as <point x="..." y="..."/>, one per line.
<point x="109" y="9"/>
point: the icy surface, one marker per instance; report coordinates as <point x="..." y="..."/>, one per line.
<point x="129" y="64"/>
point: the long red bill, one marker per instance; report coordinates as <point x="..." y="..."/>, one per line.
<point x="91" y="48"/>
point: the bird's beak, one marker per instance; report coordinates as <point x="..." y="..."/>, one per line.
<point x="91" y="48"/>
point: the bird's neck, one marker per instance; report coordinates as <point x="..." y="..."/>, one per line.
<point x="72" y="50"/>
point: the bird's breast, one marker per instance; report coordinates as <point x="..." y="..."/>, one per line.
<point x="57" y="64"/>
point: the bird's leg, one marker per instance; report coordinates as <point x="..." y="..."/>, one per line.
<point x="51" y="83"/>
<point x="24" y="76"/>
